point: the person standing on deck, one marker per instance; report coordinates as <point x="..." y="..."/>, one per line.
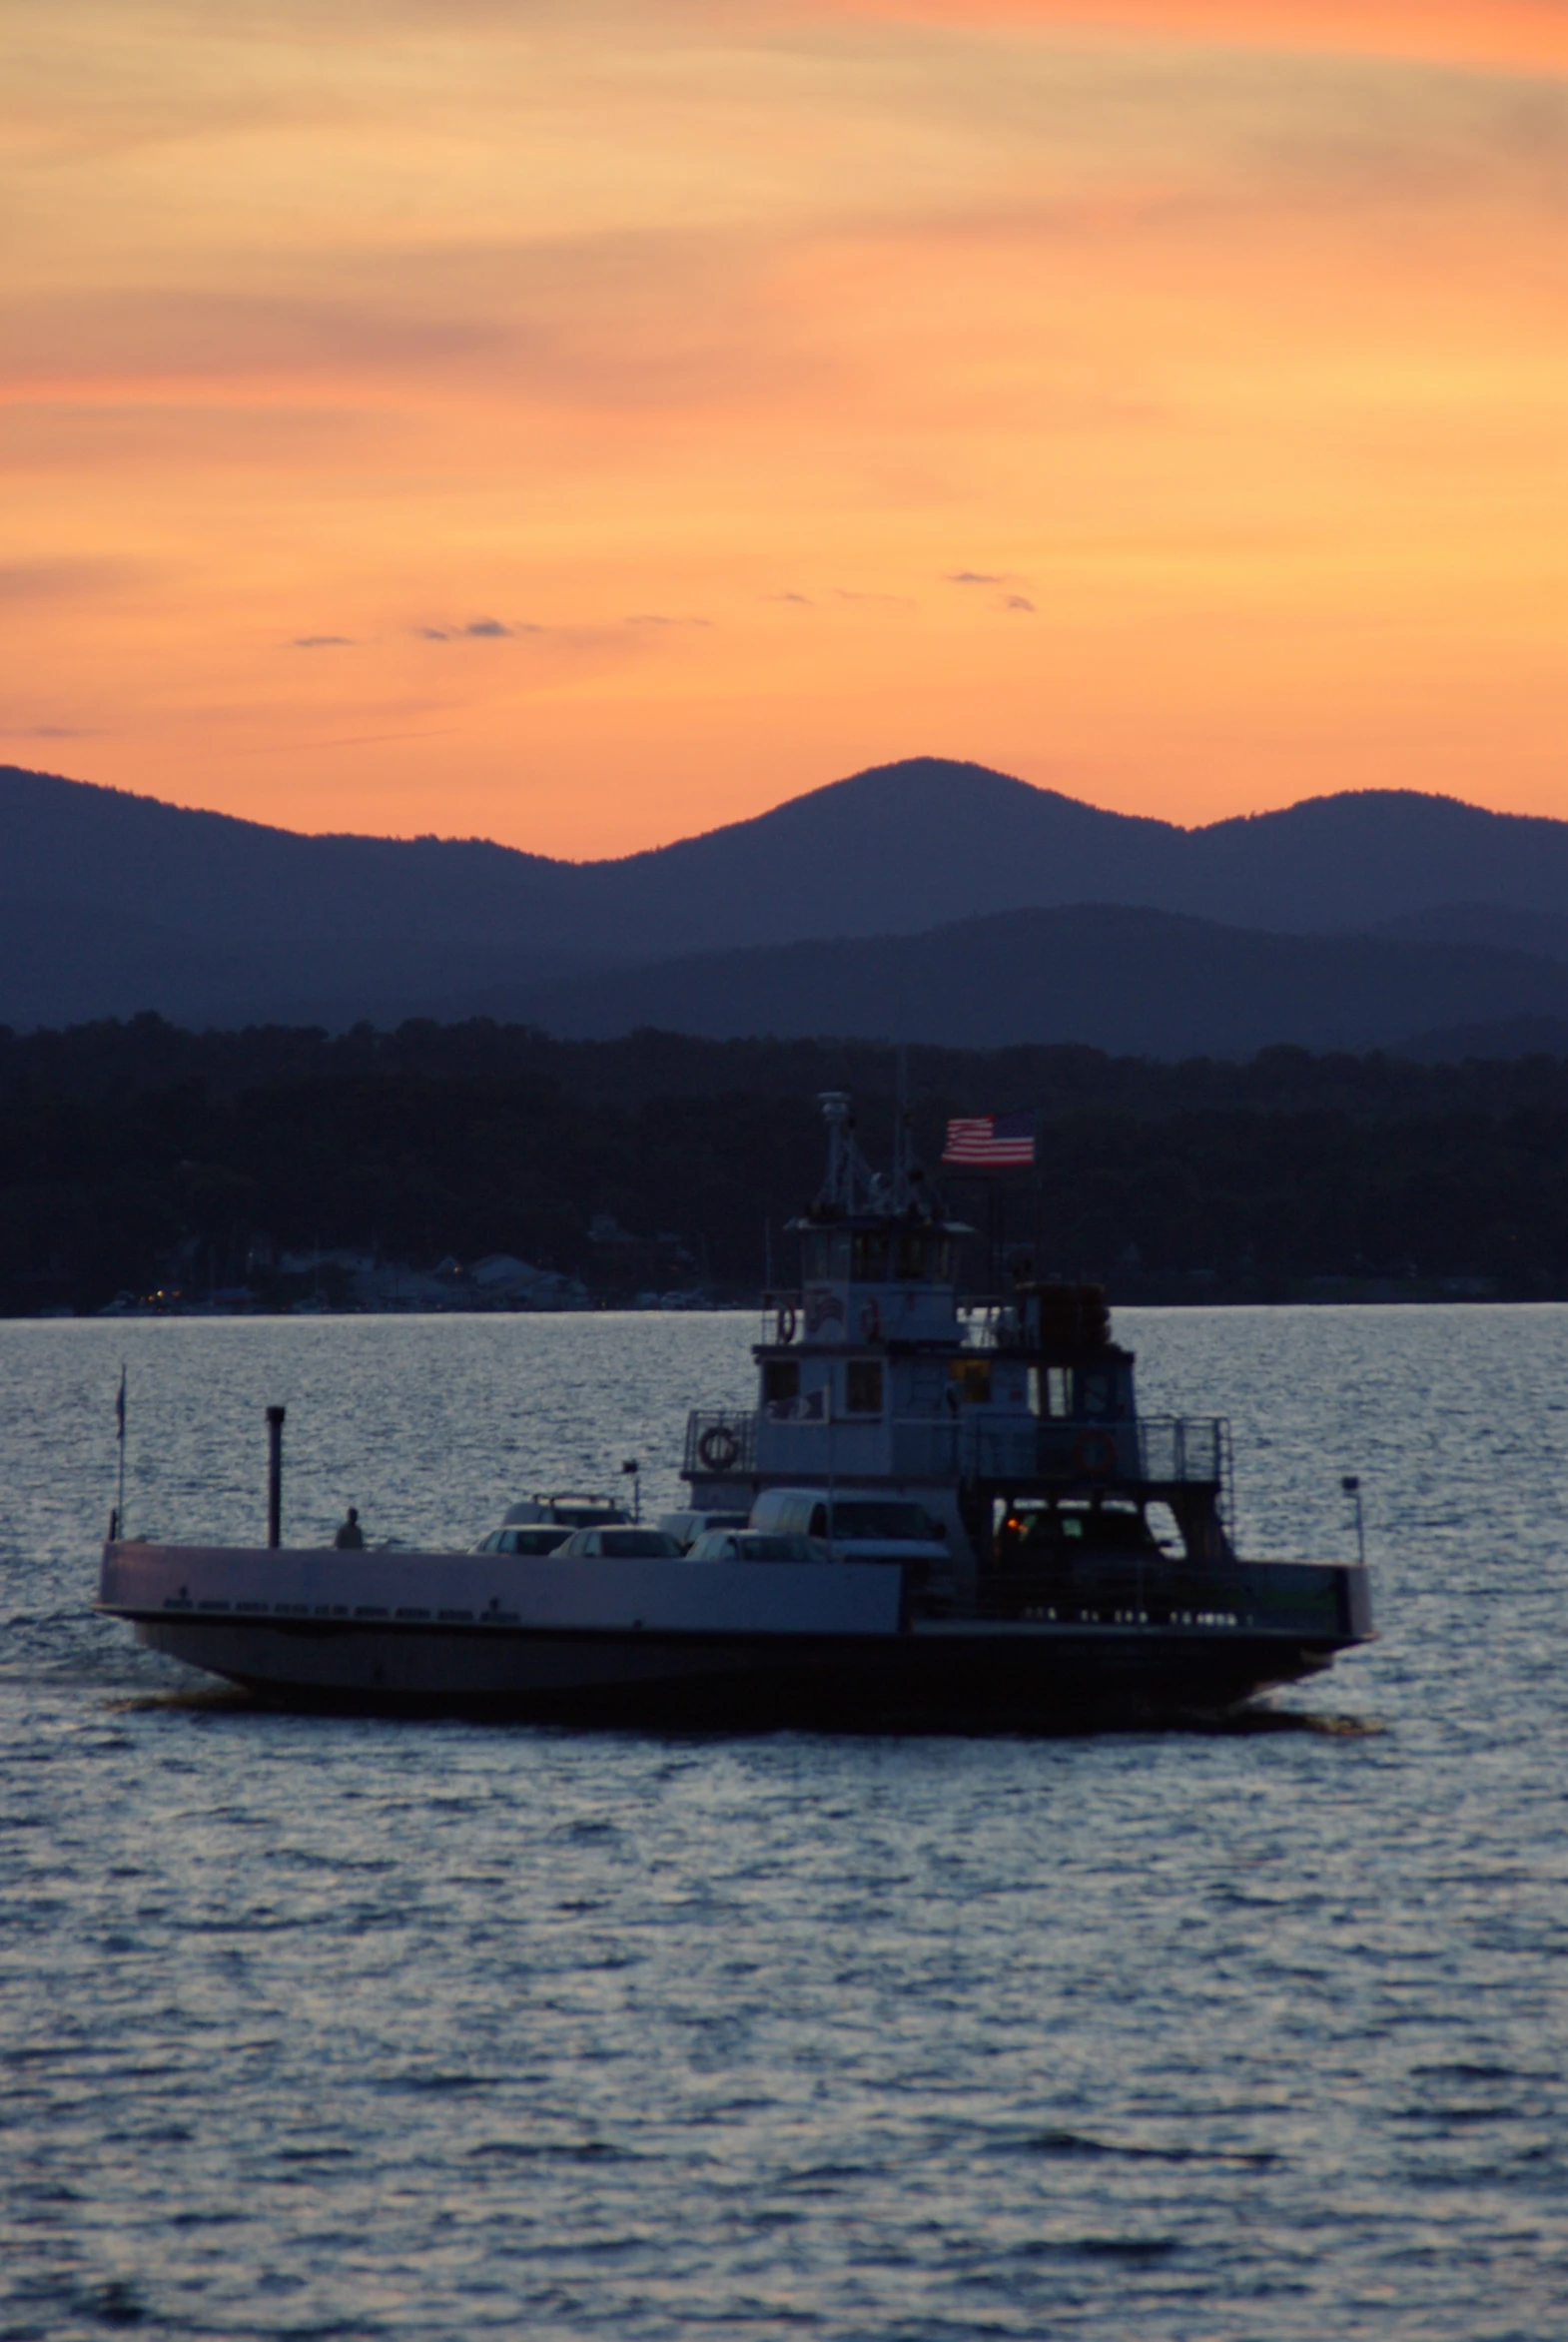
<point x="350" y="1537"/>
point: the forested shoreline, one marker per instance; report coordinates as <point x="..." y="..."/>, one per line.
<point x="138" y="1157"/>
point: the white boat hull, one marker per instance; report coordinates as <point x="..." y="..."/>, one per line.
<point x="750" y="1644"/>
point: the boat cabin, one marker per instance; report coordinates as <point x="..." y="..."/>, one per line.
<point x="1012" y="1421"/>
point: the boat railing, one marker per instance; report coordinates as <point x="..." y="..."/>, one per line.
<point x="1160" y="1450"/>
<point x="721" y="1443"/>
<point x="1169" y="1450"/>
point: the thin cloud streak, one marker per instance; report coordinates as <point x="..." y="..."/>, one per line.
<point x="1508" y="34"/>
<point x="47" y="732"/>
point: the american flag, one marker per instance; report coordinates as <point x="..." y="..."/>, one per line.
<point x="991" y="1141"/>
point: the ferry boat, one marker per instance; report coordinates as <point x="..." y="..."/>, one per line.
<point x="1004" y="1541"/>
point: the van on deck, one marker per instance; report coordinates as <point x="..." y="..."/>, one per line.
<point x="857" y="1528"/>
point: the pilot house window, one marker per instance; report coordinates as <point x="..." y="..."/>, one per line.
<point x="870" y="1261"/>
<point x="781" y="1381"/>
<point x="862" y="1386"/>
<point x="824" y="1254"/>
<point x="922" y="1260"/>
<point x="1051" y="1392"/>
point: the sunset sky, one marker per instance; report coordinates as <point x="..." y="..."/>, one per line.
<point x="584" y="423"/>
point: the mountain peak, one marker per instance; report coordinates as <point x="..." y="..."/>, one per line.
<point x="143" y="894"/>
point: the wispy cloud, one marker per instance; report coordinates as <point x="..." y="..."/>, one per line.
<point x="1019" y="602"/>
<point x="477" y="630"/>
<point x="322" y="642"/>
<point x="658" y="619"/>
<point x="49" y="733"/>
<point x="1522" y="32"/>
<point x="49" y="579"/>
<point x="972" y="577"/>
<point x="352" y="740"/>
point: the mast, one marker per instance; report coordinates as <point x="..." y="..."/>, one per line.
<point x="901" y="1133"/>
<point x="850" y="1185"/>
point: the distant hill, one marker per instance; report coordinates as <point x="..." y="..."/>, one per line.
<point x="1144" y="983"/>
<point x="119" y="903"/>
<point x="1511" y="929"/>
<point x="68" y="962"/>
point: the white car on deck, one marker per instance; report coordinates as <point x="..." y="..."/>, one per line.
<point x="756" y="1545"/>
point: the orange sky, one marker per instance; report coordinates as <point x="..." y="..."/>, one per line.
<point x="582" y="423"/>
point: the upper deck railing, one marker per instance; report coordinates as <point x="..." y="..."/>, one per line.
<point x="1156" y="1450"/>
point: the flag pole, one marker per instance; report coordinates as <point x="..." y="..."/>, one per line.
<point x="119" y="1408"/>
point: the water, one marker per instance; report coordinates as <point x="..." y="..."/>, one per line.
<point x="358" y="2028"/>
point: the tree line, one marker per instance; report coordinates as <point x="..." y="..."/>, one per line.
<point x="132" y="1155"/>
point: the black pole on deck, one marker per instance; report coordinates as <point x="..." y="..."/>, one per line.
<point x="275" y="1416"/>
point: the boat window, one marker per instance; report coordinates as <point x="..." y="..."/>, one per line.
<point x="819" y="1520"/>
<point x="973" y="1377"/>
<point x="920" y="1258"/>
<point x="870" y="1257"/>
<point x="781" y="1381"/>
<point x="911" y="1257"/>
<point x="863" y="1519"/>
<point x="1051" y="1392"/>
<point x="1096" y="1394"/>
<point x="758" y="1547"/>
<point x="862" y="1386"/>
<point x="824" y="1252"/>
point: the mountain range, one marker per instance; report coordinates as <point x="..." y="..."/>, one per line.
<point x="926" y="900"/>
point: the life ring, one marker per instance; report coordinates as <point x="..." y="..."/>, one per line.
<point x="870" y="1320"/>
<point x="1095" y="1453"/>
<point x="787" y="1321"/>
<point x="718" y="1448"/>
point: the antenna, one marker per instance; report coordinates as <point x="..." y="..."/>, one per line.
<point x="901" y="1129"/>
<point x="845" y="1167"/>
<point x="116" y="1525"/>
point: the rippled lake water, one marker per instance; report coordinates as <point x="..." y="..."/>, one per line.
<point x="315" y="2027"/>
